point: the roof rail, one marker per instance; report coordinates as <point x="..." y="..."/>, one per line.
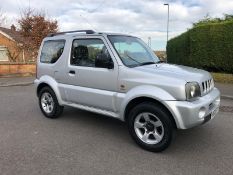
<point x="74" y="31"/>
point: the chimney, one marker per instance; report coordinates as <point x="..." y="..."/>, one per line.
<point x="13" y="28"/>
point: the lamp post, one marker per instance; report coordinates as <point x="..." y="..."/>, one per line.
<point x="167" y="19"/>
<point x="167" y="23"/>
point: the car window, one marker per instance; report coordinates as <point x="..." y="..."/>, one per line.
<point x="52" y="50"/>
<point x="132" y="51"/>
<point x="87" y="52"/>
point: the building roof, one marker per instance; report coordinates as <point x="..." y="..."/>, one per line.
<point x="11" y="34"/>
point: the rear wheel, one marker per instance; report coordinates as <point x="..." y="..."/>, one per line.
<point x="49" y="104"/>
<point x="150" y="126"/>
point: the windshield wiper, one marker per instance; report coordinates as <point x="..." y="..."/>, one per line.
<point x="139" y="63"/>
<point x="147" y="63"/>
<point x="132" y="59"/>
<point x="160" y="61"/>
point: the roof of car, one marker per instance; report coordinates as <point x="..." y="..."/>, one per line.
<point x="80" y="33"/>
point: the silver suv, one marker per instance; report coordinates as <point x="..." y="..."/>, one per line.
<point x="119" y="76"/>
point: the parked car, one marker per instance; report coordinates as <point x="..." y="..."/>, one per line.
<point x="119" y="76"/>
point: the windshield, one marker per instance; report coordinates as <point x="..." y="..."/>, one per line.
<point x="132" y="51"/>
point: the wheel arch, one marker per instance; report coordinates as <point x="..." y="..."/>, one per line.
<point x="51" y="83"/>
<point x="41" y="86"/>
<point x="138" y="100"/>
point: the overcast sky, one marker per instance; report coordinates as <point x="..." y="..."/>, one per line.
<point x="142" y="18"/>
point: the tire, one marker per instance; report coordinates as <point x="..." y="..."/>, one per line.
<point x="50" y="107"/>
<point x="150" y="126"/>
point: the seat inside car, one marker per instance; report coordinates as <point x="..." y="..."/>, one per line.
<point x="80" y="55"/>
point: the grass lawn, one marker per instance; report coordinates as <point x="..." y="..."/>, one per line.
<point x="223" y="78"/>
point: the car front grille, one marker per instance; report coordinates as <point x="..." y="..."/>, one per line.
<point x="207" y="86"/>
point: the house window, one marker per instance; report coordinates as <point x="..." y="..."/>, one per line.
<point x="3" y="53"/>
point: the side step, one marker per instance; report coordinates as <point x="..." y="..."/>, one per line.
<point x="95" y="110"/>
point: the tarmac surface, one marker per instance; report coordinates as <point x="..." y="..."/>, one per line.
<point x="80" y="142"/>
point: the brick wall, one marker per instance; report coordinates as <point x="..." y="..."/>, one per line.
<point x="17" y="69"/>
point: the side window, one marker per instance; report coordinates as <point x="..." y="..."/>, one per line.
<point x="51" y="51"/>
<point x="89" y="53"/>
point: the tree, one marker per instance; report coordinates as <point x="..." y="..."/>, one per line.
<point x="14" y="51"/>
<point x="2" y="18"/>
<point x="208" y="20"/>
<point x="34" y="26"/>
<point x="228" y="17"/>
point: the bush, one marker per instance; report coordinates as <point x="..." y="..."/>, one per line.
<point x="207" y="46"/>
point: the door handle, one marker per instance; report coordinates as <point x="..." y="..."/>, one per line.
<point x="71" y="72"/>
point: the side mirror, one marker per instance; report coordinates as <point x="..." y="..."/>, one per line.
<point x="104" y="61"/>
<point x="110" y="64"/>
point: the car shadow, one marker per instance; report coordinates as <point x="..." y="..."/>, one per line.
<point x="96" y="121"/>
<point x="185" y="140"/>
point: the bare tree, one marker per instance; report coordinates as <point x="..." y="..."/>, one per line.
<point x="2" y="17"/>
<point x="34" y="26"/>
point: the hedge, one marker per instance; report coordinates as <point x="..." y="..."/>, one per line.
<point x="208" y="46"/>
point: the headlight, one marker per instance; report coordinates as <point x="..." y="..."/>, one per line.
<point x="192" y="90"/>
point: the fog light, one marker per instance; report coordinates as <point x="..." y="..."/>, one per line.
<point x="202" y="112"/>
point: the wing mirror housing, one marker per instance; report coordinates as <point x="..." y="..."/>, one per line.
<point x="104" y="61"/>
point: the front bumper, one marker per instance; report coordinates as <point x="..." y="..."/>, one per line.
<point x="189" y="114"/>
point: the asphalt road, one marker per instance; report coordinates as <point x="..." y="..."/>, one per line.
<point x="84" y="143"/>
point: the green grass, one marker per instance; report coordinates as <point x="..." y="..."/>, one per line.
<point x="223" y="78"/>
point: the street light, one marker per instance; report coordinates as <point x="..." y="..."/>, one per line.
<point x="167" y="22"/>
<point x="167" y="19"/>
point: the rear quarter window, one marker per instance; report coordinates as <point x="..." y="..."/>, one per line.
<point x="51" y="51"/>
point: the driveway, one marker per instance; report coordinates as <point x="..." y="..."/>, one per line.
<point x="85" y="143"/>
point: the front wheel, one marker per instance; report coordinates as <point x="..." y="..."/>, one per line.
<point x="49" y="104"/>
<point x="151" y="127"/>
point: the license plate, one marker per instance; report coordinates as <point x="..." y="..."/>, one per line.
<point x="214" y="112"/>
